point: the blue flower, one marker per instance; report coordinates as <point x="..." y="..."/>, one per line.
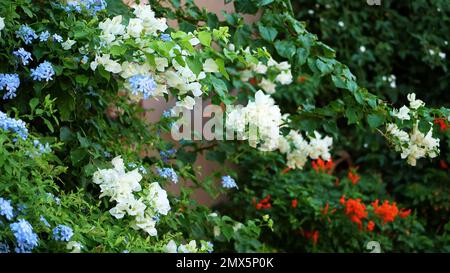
<point x="26" y="239"/>
<point x="91" y="6"/>
<point x="24" y="55"/>
<point x="13" y="125"/>
<point x="165" y="37"/>
<point x="44" y="221"/>
<point x="142" y="84"/>
<point x="228" y="182"/>
<point x="57" y="38"/>
<point x="43" y="72"/>
<point x="26" y="33"/>
<point x="167" y="113"/>
<point x="6" y="209"/>
<point x="85" y="59"/>
<point x="62" y="233"/>
<point x="168" y="173"/>
<point x="4" y="248"/>
<point x="166" y="155"/>
<point x="10" y="82"/>
<point x="42" y="148"/>
<point x="143" y="170"/>
<point x="43" y="37"/>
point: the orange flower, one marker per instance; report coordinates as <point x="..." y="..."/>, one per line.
<point x="294" y="203"/>
<point x="370" y="226"/>
<point x="404" y="213"/>
<point x="342" y="200"/>
<point x="313" y="235"/>
<point x="322" y="166"/>
<point x="441" y="123"/>
<point x="264" y="204"/>
<point x="353" y="176"/>
<point x="301" y="79"/>
<point x="443" y="164"/>
<point x="253" y="81"/>
<point x="387" y="212"/>
<point x="285" y="170"/>
<point x="325" y="209"/>
<point x="355" y="210"/>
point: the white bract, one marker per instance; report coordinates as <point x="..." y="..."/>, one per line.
<point x="415" y="144"/>
<point x="124" y="188"/>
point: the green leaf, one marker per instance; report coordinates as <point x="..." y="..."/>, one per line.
<point x="205" y="38"/>
<point x="268" y="33"/>
<point x="219" y="86"/>
<point x="375" y="120"/>
<point x="82" y="79"/>
<point x="285" y="48"/>
<point x="221" y="64"/>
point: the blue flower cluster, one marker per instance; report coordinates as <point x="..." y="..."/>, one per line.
<point x="42" y="148"/>
<point x="4" y="248"/>
<point x="26" y="33"/>
<point x="228" y="182"/>
<point x="6" y="209"/>
<point x="92" y="6"/>
<point x="44" y="71"/>
<point x="57" y="38"/>
<point x="25" y="56"/>
<point x="165" y="37"/>
<point x="62" y="233"/>
<point x="13" y="125"/>
<point x="10" y="82"/>
<point x="43" y="37"/>
<point x="166" y="155"/>
<point x="44" y="221"/>
<point x="25" y="237"/>
<point x="142" y="84"/>
<point x="168" y="173"/>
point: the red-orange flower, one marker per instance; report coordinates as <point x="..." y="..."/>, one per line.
<point x="322" y="166"/>
<point x="285" y="170"/>
<point x="404" y="213"/>
<point x="386" y="212"/>
<point x="355" y="210"/>
<point x="313" y="235"/>
<point x="443" y="164"/>
<point x="294" y="203"/>
<point x="264" y="204"/>
<point x="325" y="209"/>
<point x="441" y="123"/>
<point x="353" y="176"/>
<point x="253" y="81"/>
<point x="370" y="225"/>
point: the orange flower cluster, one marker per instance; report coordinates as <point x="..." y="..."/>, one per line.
<point x="387" y="212"/>
<point x="353" y="176"/>
<point x="264" y="204"/>
<point x="442" y="123"/>
<point x="322" y="166"/>
<point x="355" y="210"/>
<point x="313" y="235"/>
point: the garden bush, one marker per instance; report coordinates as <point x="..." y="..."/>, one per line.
<point x="338" y="160"/>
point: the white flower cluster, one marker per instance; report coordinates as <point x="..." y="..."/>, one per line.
<point x="298" y="149"/>
<point x="391" y="79"/>
<point x="271" y="73"/>
<point x="416" y="144"/>
<point x="150" y="75"/>
<point x="191" y="247"/>
<point x="121" y="186"/>
<point x="259" y="122"/>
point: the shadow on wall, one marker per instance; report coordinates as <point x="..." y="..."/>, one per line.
<point x="156" y="107"/>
